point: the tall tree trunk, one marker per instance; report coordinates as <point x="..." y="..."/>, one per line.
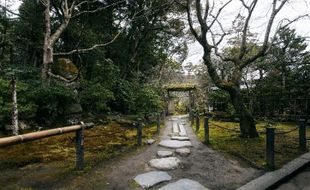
<point x="15" y="109"/>
<point x="247" y="123"/>
<point x="47" y="49"/>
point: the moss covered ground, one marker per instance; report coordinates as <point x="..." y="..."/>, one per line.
<point x="252" y="151"/>
<point x="50" y="160"/>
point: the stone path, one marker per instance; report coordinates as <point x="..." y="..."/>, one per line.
<point x="178" y="144"/>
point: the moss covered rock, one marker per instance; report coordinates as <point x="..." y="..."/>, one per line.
<point x="65" y="68"/>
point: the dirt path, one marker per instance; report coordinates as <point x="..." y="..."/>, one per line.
<point x="204" y="165"/>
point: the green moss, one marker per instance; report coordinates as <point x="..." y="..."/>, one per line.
<point x="229" y="142"/>
<point x="57" y="154"/>
<point x="64" y="66"/>
<point x="180" y="87"/>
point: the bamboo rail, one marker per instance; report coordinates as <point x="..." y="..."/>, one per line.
<point x="7" y="141"/>
<point x="79" y="141"/>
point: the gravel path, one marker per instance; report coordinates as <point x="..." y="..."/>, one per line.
<point x="203" y="165"/>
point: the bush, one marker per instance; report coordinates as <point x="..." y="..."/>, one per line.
<point x="148" y="101"/>
<point x="95" y="97"/>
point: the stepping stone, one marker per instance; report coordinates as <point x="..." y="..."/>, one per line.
<point x="150" y="179"/>
<point x="175" y="143"/>
<point x="168" y="163"/>
<point x="150" y="141"/>
<point x="183" y="151"/>
<point x="164" y="153"/>
<point x="184" y="184"/>
<point x="175" y="129"/>
<point x="179" y="138"/>
<point x="182" y="130"/>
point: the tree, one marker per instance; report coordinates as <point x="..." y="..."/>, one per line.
<point x="208" y="20"/>
<point x="66" y="11"/>
<point x="284" y="72"/>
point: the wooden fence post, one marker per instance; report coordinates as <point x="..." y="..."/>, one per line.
<point x="197" y="122"/>
<point x="302" y="135"/>
<point x="192" y="116"/>
<point x="139" y="132"/>
<point x="79" y="146"/>
<point x="206" y="127"/>
<point x="270" y="132"/>
<point x="158" y="123"/>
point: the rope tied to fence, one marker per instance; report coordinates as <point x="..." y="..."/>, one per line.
<point x="225" y="128"/>
<point x="286" y="132"/>
<point x="259" y="132"/>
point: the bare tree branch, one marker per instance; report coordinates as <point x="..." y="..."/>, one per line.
<point x="218" y="13"/>
<point x="264" y="47"/>
<point x="10" y="11"/>
<point x="250" y="10"/>
<point x="190" y="21"/>
<point x="84" y="50"/>
<point x="96" y="10"/>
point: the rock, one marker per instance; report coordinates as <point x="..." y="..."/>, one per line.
<point x="179" y="138"/>
<point x="175" y="143"/>
<point x="182" y="130"/>
<point x="73" y="121"/>
<point x="183" y="151"/>
<point x="175" y="128"/>
<point x="150" y="141"/>
<point x="164" y="153"/>
<point x="73" y="109"/>
<point x="65" y="68"/>
<point x="22" y="125"/>
<point x="125" y="122"/>
<point x="150" y="179"/>
<point x="184" y="184"/>
<point x="168" y="163"/>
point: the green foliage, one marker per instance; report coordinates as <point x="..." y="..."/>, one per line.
<point x="219" y="95"/>
<point x="148" y="101"/>
<point x="25" y="106"/>
<point x="112" y="78"/>
<point x="286" y="68"/>
<point x="124" y="93"/>
<point x="95" y="97"/>
<point x="50" y="99"/>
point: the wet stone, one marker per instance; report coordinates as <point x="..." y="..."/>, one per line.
<point x="175" y="143"/>
<point x="168" y="163"/>
<point x="183" y="151"/>
<point x="182" y="130"/>
<point x="150" y="179"/>
<point x="164" y="153"/>
<point x="184" y="184"/>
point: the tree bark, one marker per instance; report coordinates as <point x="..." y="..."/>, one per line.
<point x="246" y="120"/>
<point x="47" y="49"/>
<point x="15" y="108"/>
